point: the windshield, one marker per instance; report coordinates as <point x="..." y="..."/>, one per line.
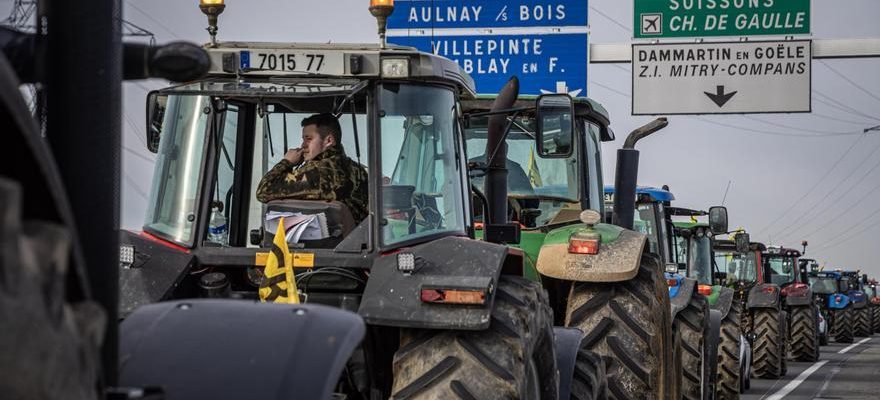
<point x="869" y="291"/>
<point x="700" y="259"/>
<point x="171" y="208"/>
<point x="823" y="285"/>
<point x="782" y="269"/>
<point x="544" y="185"/>
<point x="739" y="267"/>
<point x="644" y="221"/>
<point x="422" y="172"/>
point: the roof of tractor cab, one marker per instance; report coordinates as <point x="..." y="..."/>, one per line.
<point x="654" y="194"/>
<point x="583" y="107"/>
<point x="238" y="59"/>
<point x="782" y="251"/>
<point x="730" y="245"/>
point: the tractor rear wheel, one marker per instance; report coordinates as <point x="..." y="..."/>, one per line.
<point x="629" y="325"/>
<point x="862" y="325"/>
<point x="729" y="371"/>
<point x="875" y="318"/>
<point x="842" y="329"/>
<point x="590" y="381"/>
<point x="692" y="323"/>
<point x="514" y="358"/>
<point x="804" y="334"/>
<point x="769" y="343"/>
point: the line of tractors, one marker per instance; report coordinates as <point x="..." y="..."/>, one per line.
<point x="493" y="262"/>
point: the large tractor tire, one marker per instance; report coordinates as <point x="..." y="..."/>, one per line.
<point x="804" y="334"/>
<point x="769" y="344"/>
<point x="729" y="371"/>
<point x="629" y="325"/>
<point x="692" y="324"/>
<point x="590" y="379"/>
<point x="514" y="358"/>
<point x="842" y="330"/>
<point x="875" y="319"/>
<point x="862" y="325"/>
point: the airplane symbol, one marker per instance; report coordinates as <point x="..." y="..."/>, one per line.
<point x="652" y="24"/>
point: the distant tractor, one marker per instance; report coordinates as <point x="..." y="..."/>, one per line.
<point x="763" y="318"/>
<point x="694" y="243"/>
<point x="782" y="268"/>
<point x="831" y="290"/>
<point x="807" y="267"/>
<point x="874" y="301"/>
<point x="862" y="313"/>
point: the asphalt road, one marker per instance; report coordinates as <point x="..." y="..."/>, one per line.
<point x="844" y="371"/>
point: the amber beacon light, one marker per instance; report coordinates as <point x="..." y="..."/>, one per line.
<point x="381" y="9"/>
<point x="213" y="9"/>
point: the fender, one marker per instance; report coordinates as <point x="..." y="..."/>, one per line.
<point x="200" y="349"/>
<point x="620" y="252"/>
<point x="858" y="299"/>
<point x="838" y="301"/>
<point x="765" y="295"/>
<point x="724" y="302"/>
<point x="568" y="342"/>
<point x="714" y="338"/>
<point x="157" y="270"/>
<point x="687" y="289"/>
<point x="393" y="298"/>
<point x="802" y="296"/>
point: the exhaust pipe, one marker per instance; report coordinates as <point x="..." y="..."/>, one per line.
<point x="628" y="172"/>
<point x="495" y="184"/>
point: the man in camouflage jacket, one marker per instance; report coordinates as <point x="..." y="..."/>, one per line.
<point x="318" y="170"/>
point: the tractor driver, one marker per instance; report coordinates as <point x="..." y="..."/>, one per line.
<point x="318" y="170"/>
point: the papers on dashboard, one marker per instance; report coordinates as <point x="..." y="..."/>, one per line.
<point x="298" y="226"/>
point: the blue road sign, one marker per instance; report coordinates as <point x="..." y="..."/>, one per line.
<point x="545" y="44"/>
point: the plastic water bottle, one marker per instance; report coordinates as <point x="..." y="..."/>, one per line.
<point x="218" y="229"/>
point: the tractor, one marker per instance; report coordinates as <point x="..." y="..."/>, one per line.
<point x="782" y="268"/>
<point x="599" y="276"/>
<point x="694" y="254"/>
<point x="830" y="289"/>
<point x="763" y="319"/>
<point x="862" y="313"/>
<point x="807" y="267"/>
<point x="696" y="327"/>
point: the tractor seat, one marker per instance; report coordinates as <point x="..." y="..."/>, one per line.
<point x="339" y="220"/>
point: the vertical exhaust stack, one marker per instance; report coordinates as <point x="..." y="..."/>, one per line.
<point x="83" y="94"/>
<point x="495" y="184"/>
<point x="628" y="173"/>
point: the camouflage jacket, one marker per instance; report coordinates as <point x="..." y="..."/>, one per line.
<point x="329" y="176"/>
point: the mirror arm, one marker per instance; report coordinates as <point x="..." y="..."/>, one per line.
<point x="510" y="121"/>
<point x="485" y="201"/>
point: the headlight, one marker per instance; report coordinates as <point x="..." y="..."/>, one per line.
<point x="395" y="67"/>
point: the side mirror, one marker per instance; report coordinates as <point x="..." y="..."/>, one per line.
<point x="156" y="104"/>
<point x="718" y="219"/>
<point x="742" y="242"/>
<point x="555" y="128"/>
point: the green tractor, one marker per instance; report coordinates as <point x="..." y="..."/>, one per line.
<point x="600" y="277"/>
<point x="694" y="254"/>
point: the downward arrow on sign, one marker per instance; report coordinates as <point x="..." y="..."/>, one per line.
<point x="720" y="98"/>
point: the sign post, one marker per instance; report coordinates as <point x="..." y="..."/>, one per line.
<point x="721" y="77"/>
<point x="653" y="19"/>
<point x="545" y="45"/>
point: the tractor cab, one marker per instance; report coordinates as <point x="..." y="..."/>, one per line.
<point x="215" y="138"/>
<point x="740" y="267"/>
<point x="651" y="219"/>
<point x="781" y="265"/>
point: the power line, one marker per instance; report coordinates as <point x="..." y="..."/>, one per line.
<point x="781" y="232"/>
<point x="139" y="155"/>
<point x="135" y="186"/>
<point x="797" y="128"/>
<point x="842" y="213"/>
<point x="844" y="106"/>
<point x="850" y="232"/>
<point x="832" y="118"/>
<point x="150" y="17"/>
<point x="610" y="88"/>
<point x="842" y="76"/>
<point x="614" y="21"/>
<point x="827" y="173"/>
<point x="763" y="132"/>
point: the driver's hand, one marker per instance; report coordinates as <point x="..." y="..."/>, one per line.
<point x="295" y="156"/>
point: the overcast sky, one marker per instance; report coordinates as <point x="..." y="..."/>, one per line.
<point x="789" y="180"/>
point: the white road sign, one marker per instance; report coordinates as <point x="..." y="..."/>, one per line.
<point x="721" y="77"/>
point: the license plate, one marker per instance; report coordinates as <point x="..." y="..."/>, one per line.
<point x="310" y="62"/>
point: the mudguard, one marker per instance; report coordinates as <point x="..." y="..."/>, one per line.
<point x="835" y="304"/>
<point x="714" y="338"/>
<point x="620" y="252"/>
<point x="724" y="302"/>
<point x="762" y="296"/>
<point x="804" y="299"/>
<point x="858" y="299"/>
<point x="686" y="290"/>
<point x="393" y="298"/>
<point x="568" y="343"/>
<point x="237" y="349"/>
<point x="156" y="272"/>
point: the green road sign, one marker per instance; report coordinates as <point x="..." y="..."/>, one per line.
<point x="700" y="18"/>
